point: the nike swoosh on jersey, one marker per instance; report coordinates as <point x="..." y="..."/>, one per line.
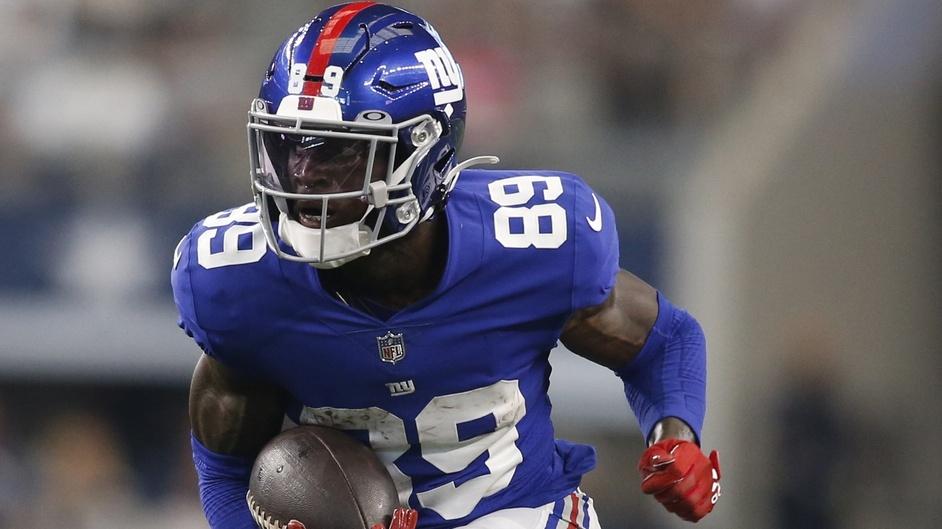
<point x="596" y="222"/>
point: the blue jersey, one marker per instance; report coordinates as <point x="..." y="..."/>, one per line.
<point x="450" y="392"/>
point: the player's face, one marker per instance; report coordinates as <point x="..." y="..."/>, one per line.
<point x="318" y="165"/>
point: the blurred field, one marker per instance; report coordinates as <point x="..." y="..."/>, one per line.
<point x="774" y="166"/>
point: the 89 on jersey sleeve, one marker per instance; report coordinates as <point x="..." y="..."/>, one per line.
<point x="517" y="225"/>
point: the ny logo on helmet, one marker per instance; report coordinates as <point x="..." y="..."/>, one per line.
<point x="443" y="74"/>
<point x="392" y="347"/>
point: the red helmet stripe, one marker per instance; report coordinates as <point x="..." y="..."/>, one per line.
<point x="324" y="47"/>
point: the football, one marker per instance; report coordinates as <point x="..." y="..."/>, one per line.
<point x="322" y="478"/>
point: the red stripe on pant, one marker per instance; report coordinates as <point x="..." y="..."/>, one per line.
<point x="574" y="515"/>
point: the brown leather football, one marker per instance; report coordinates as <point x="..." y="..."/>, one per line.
<point x="321" y="477"/>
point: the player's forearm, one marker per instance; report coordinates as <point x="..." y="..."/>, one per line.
<point x="223" y="484"/>
<point x="667" y="379"/>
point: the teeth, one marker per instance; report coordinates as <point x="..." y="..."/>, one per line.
<point x="313" y="218"/>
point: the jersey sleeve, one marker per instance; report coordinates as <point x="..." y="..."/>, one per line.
<point x="183" y="297"/>
<point x="595" y="240"/>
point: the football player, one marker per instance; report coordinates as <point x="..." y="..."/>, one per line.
<point x="378" y="286"/>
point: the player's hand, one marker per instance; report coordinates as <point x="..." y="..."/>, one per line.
<point x="402" y="518"/>
<point x="681" y="478"/>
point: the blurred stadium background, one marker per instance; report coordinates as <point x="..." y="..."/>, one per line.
<point x="774" y="165"/>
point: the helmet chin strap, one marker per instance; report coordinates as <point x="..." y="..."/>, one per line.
<point x="337" y="241"/>
<point x="452" y="177"/>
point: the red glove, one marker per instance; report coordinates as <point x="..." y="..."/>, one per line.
<point x="402" y="518"/>
<point x="681" y="478"/>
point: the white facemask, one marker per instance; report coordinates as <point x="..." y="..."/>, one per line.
<point x="337" y="241"/>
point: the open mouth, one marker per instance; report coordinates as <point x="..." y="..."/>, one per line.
<point x="310" y="216"/>
<point x="339" y="212"/>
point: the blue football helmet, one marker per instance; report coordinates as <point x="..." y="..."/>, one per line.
<point x="354" y="135"/>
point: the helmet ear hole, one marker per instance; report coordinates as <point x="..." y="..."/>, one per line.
<point x="443" y="162"/>
<point x="404" y="150"/>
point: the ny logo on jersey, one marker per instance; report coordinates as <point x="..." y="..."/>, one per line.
<point x="443" y="74"/>
<point x="397" y="389"/>
<point x="392" y="347"/>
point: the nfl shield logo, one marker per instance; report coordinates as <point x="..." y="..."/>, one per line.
<point x="392" y="348"/>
